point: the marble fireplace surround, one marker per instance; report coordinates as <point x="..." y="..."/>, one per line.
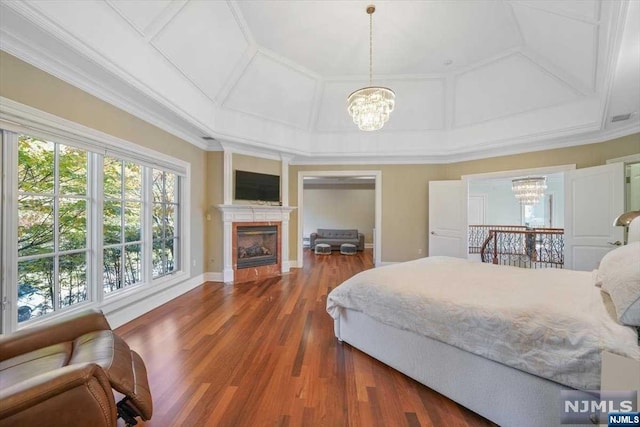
<point x="249" y="215"/>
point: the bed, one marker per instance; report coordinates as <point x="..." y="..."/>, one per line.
<point x="501" y="341"/>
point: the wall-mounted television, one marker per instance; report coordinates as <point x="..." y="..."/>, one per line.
<point x="257" y="186"/>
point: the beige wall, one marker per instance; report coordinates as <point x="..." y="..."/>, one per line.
<point x="340" y="206"/>
<point x="28" y="85"/>
<point x="213" y="217"/>
<point x="256" y="164"/>
<point x="633" y="187"/>
<point x="405" y="189"/>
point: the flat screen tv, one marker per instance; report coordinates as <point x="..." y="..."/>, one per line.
<point x="257" y="186"/>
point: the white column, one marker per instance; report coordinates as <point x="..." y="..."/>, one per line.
<point x="285" y="266"/>
<point x="284" y="180"/>
<point x="227" y="272"/>
<point x="284" y="183"/>
<point x="228" y="177"/>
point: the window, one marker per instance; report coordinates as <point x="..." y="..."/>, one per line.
<point x="52" y="227"/>
<point x="122" y="224"/>
<point x="166" y="198"/>
<point x="85" y="217"/>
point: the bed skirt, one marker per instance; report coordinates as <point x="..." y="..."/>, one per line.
<point x="504" y="395"/>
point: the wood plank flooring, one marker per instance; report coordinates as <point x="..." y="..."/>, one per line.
<point x="264" y="354"/>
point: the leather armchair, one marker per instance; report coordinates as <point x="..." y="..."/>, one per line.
<point x="64" y="373"/>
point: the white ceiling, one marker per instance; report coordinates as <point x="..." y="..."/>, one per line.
<point x="472" y="78"/>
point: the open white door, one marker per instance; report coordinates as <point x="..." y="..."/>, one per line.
<point x="594" y="197"/>
<point x="477" y="209"/>
<point x="447" y="219"/>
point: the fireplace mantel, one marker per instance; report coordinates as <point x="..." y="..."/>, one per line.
<point x="253" y="213"/>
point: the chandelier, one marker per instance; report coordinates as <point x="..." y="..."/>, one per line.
<point x="529" y="191"/>
<point x="370" y="106"/>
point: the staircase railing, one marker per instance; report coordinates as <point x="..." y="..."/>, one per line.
<point x="479" y="233"/>
<point x="530" y="248"/>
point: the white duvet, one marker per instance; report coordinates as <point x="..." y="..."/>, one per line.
<point x="548" y="322"/>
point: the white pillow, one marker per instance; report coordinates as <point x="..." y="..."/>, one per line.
<point x="619" y="273"/>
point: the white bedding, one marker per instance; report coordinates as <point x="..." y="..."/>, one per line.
<point x="548" y="322"/>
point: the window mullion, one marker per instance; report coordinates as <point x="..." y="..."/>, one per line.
<point x="10" y="231"/>
<point x="56" y="226"/>
<point x="123" y="237"/>
<point x="147" y="224"/>
<point x="183" y="263"/>
<point x="95" y="221"/>
<point x="165" y="260"/>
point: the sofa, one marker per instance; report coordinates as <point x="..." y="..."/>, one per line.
<point x="64" y="373"/>
<point x="336" y="237"/>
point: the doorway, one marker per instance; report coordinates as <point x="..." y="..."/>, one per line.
<point x="374" y="177"/>
<point x="492" y="202"/>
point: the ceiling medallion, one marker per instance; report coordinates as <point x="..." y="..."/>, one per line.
<point x="529" y="191"/>
<point x="370" y="106"/>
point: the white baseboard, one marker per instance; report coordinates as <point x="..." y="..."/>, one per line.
<point x="293" y="263"/>
<point x="120" y="316"/>
<point x="215" y="276"/>
<point x="368" y="245"/>
<point x="383" y="263"/>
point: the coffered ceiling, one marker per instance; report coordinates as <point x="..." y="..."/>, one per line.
<point x="472" y="78"/>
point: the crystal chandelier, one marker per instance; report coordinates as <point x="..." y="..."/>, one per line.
<point x="529" y="191"/>
<point x="370" y="106"/>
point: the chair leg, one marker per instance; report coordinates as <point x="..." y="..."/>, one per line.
<point x="125" y="412"/>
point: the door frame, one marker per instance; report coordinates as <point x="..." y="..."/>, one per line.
<point x="377" y="237"/>
<point x="501" y="174"/>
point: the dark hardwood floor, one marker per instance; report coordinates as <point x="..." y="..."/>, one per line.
<point x="263" y="354"/>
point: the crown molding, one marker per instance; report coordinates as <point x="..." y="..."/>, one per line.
<point x="263" y="153"/>
<point x="121" y="99"/>
<point x="616" y="33"/>
<point x="590" y="134"/>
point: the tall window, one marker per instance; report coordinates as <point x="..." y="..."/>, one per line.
<point x="52" y="227"/>
<point x="84" y="218"/>
<point x="166" y="199"/>
<point x="122" y="224"/>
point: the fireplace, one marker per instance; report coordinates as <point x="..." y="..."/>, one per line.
<point x="239" y="216"/>
<point x="257" y="245"/>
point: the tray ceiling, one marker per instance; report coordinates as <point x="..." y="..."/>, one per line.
<point x="472" y="78"/>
